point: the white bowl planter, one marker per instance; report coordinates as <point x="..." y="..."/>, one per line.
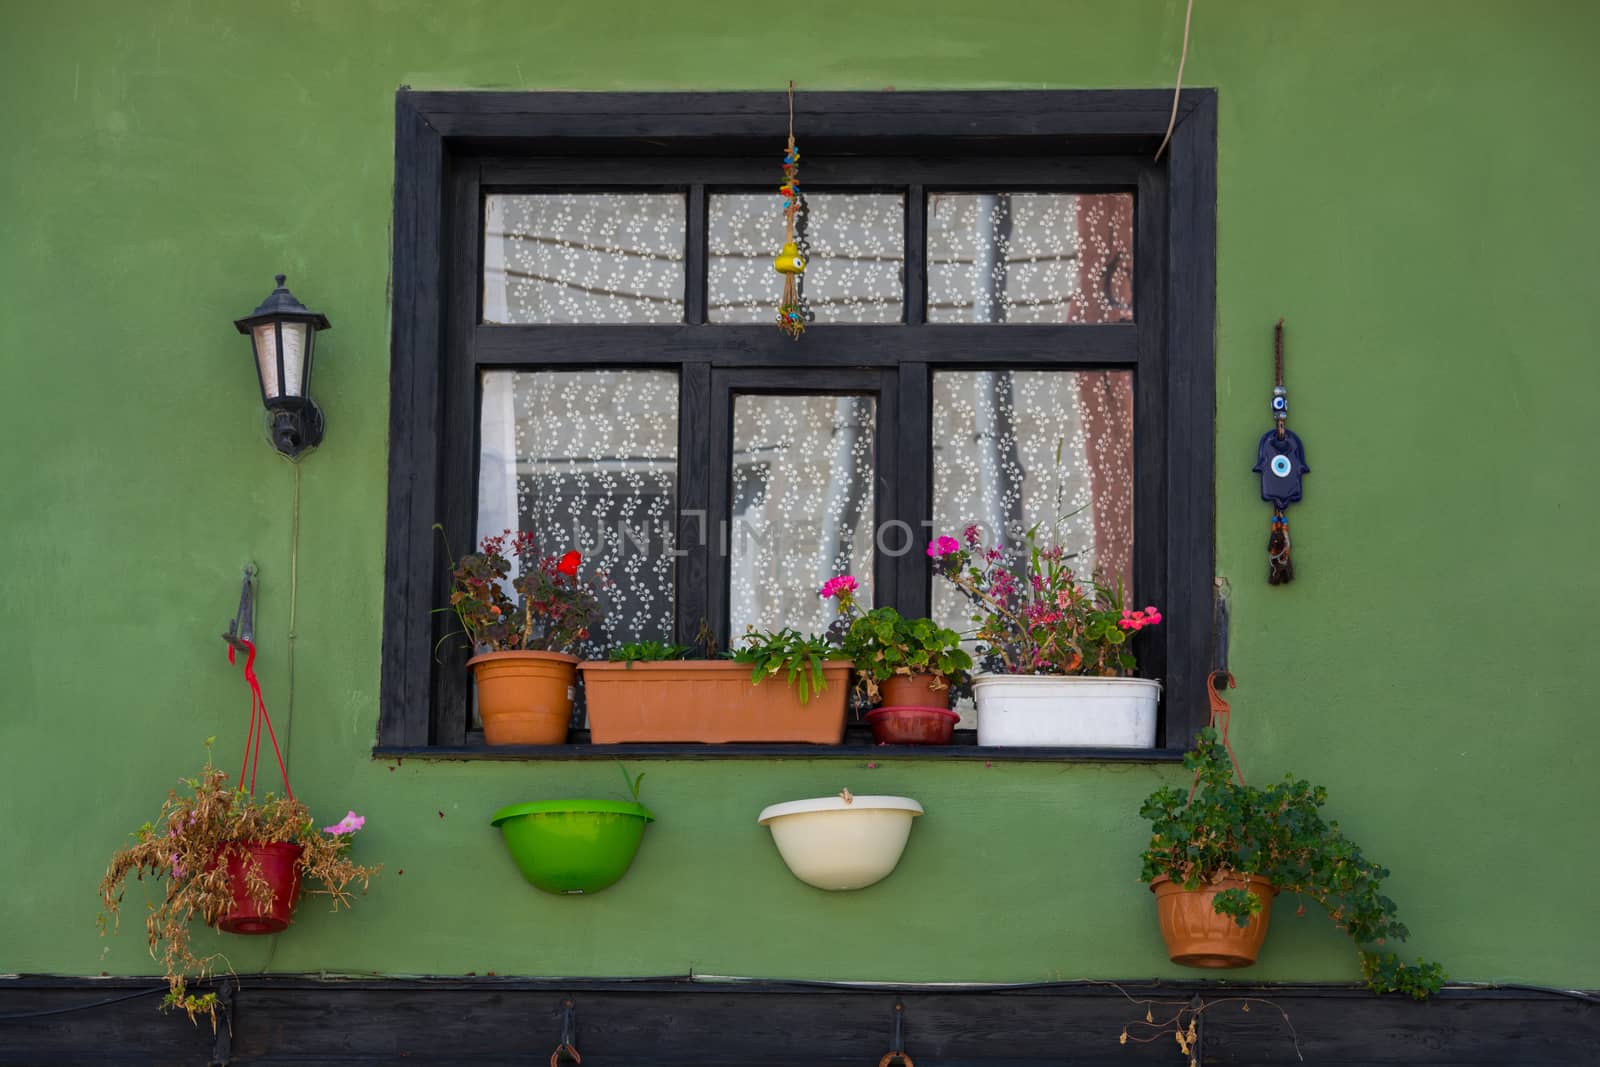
<point x="1066" y="711"/>
<point x="844" y="841"/>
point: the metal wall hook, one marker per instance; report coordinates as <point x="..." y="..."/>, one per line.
<point x="243" y="627"/>
<point x="568" y="1035"/>
<point x="897" y="1051"/>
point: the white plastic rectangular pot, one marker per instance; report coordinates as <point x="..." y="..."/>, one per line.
<point x="1066" y="711"/>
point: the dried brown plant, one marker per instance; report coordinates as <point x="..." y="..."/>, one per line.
<point x="186" y="849"/>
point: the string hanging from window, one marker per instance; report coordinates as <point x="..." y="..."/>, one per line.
<point x="793" y="314"/>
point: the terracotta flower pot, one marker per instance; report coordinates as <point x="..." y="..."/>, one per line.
<point x="914" y="691"/>
<point x="279" y="863"/>
<point x="525" y="698"/>
<point x="912" y="726"/>
<point x="1197" y="936"/>
<point x="711" y="702"/>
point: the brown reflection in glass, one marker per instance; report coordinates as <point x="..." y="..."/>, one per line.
<point x="1030" y="257"/>
<point x="996" y="436"/>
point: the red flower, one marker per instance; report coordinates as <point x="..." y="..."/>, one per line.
<point x="569" y="564"/>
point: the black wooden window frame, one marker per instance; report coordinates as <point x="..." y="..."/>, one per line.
<point x="454" y="148"/>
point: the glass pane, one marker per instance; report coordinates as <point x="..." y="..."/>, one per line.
<point x="584" y="257"/>
<point x="995" y="441"/>
<point x="1030" y="257"/>
<point x="589" y="460"/>
<point x="294" y="357"/>
<point x="857" y="268"/>
<point x="803" y="472"/>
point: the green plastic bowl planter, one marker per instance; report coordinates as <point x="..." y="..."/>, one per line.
<point x="573" y="846"/>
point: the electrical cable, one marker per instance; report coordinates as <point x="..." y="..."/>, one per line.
<point x="25" y="1015"/>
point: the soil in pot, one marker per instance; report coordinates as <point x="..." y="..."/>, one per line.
<point x="279" y="864"/>
<point x="912" y="726"/>
<point x="710" y="702"/>
<point x="1197" y="936"/>
<point x="573" y="846"/>
<point x="525" y="698"/>
<point x="914" y="691"/>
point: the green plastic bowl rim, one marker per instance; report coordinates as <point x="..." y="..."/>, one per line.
<point x="573" y="807"/>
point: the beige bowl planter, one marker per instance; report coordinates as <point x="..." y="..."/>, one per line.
<point x="844" y="841"/>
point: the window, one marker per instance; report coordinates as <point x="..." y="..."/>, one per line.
<point x="1013" y="315"/>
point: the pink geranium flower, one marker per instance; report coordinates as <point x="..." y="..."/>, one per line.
<point x="835" y="586"/>
<point x="347" y="825"/>
<point x="944" y="546"/>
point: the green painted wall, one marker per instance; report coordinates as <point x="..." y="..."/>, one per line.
<point x="1410" y="184"/>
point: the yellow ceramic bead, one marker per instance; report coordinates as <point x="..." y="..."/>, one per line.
<point x="790" y="261"/>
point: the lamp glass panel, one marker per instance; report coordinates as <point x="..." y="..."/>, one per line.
<point x="265" y="337"/>
<point x="294" y="358"/>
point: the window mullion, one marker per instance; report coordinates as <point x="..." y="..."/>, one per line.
<point x="916" y="256"/>
<point x="915" y="471"/>
<point x="697" y="527"/>
<point x="695" y="258"/>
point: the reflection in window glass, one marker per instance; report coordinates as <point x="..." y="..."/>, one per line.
<point x="857" y="266"/>
<point x="584" y="257"/>
<point x="589" y="460"/>
<point x="995" y="440"/>
<point x="802" y="504"/>
<point x="1030" y="257"/>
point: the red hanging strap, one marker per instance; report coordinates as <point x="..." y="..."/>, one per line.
<point x="1220" y="713"/>
<point x="258" y="719"/>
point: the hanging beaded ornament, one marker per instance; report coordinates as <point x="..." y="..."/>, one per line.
<point x="1281" y="462"/>
<point x="793" y="314"/>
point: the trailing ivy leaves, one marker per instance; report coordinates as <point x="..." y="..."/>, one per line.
<point x="798" y="657"/>
<point x="1277" y="832"/>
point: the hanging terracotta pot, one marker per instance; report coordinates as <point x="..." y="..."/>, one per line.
<point x="1197" y="936"/>
<point x="525" y="698"/>
<point x="279" y="865"/>
<point x="914" y="691"/>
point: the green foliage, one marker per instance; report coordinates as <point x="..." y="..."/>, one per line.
<point x="633" y="783"/>
<point x="1277" y="832"/>
<point x="552" y="611"/>
<point x="883" y="643"/>
<point x="648" y="652"/>
<point x="1038" y="616"/>
<point x="799" y="657"/>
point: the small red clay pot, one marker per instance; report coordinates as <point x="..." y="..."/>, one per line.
<point x="280" y="866"/>
<point x="914" y="691"/>
<point x="1197" y="936"/>
<point x="912" y="726"/>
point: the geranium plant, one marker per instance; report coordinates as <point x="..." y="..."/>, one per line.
<point x="1227" y="829"/>
<point x="187" y="849"/>
<point x="1038" y="616"/>
<point x="553" y="609"/>
<point x="882" y="643"/>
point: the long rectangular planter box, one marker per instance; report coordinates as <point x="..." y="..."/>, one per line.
<point x="709" y="702"/>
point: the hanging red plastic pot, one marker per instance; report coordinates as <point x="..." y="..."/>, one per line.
<point x="279" y="863"/>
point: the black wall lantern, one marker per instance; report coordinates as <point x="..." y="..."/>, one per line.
<point x="283" y="332"/>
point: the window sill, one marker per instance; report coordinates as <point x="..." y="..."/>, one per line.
<point x="855" y="747"/>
